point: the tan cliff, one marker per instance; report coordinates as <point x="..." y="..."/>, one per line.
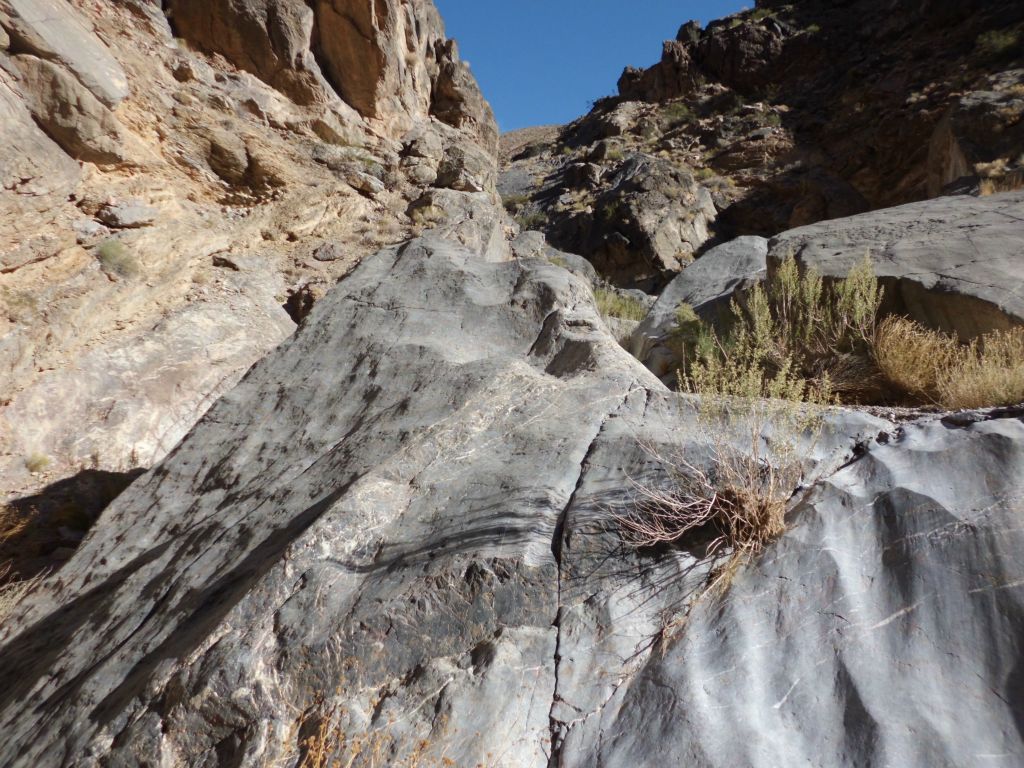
<point x="177" y="188"/>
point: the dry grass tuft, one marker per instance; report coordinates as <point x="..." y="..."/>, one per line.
<point x="988" y="372"/>
<point x="115" y="258"/>
<point x="613" y="304"/>
<point x="933" y="366"/>
<point x="911" y="357"/>
<point x="736" y="505"/>
<point x="37" y="462"/>
<point x="13" y="590"/>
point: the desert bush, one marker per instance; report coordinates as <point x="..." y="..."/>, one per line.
<point x="734" y="504"/>
<point x="14" y="590"/>
<point x="987" y="372"/>
<point x="513" y="203"/>
<point x="677" y="113"/>
<point x="613" y="304"/>
<point x="935" y="367"/>
<point x="37" y="462"/>
<point x="910" y="356"/>
<point x="535" y="220"/>
<point x="427" y="216"/>
<point x="794" y="338"/>
<point x="998" y="43"/>
<point x="115" y="258"/>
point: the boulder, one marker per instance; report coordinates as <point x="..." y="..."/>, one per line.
<point x="533" y="245"/>
<point x="55" y="31"/>
<point x="127" y="214"/>
<point x="69" y="113"/>
<point x="30" y="160"/>
<point x="647" y="225"/>
<point x="399" y="528"/>
<point x="707" y="285"/>
<point x="952" y="263"/>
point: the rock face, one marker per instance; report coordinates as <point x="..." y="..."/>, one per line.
<point x="55" y="31"/>
<point x="69" y="113"/>
<point x="707" y="285"/>
<point x="786" y="115"/>
<point x="391" y="523"/>
<point x="953" y="263"/>
<point x="159" y="204"/>
<point x="387" y="60"/>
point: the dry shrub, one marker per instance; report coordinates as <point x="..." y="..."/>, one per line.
<point x="13" y="590"/>
<point x="736" y="504"/>
<point x="935" y="367"/>
<point x="613" y="304"/>
<point x="795" y="338"/>
<point x="911" y="357"/>
<point x="988" y="372"/>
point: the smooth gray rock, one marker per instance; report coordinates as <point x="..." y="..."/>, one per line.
<point x="952" y="263"/>
<point x="129" y="214"/>
<point x="404" y="518"/>
<point x="532" y="245"/>
<point x="707" y="285"/>
<point x="883" y="630"/>
<point x="53" y="30"/>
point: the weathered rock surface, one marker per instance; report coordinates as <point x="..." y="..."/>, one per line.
<point x="69" y="113"/>
<point x="707" y="285"/>
<point x="402" y="520"/>
<point x="56" y="31"/>
<point x="389" y="61"/>
<point x="952" y="263"/>
<point x="135" y="168"/>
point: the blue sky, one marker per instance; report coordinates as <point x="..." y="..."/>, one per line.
<point x="544" y="61"/>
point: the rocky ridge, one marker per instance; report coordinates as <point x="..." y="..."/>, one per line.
<point x="396" y="538"/>
<point x="774" y="118"/>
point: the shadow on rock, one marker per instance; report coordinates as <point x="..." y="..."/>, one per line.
<point x="42" y="531"/>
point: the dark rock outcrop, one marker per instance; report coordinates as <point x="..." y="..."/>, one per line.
<point x="794" y="113"/>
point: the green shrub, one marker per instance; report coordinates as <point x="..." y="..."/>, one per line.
<point x="613" y="304"/>
<point x="794" y="338"/>
<point x="115" y="258"/>
<point x="37" y="462"/>
<point x="998" y="43"/>
<point x="534" y="220"/>
<point x="677" y="113"/>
